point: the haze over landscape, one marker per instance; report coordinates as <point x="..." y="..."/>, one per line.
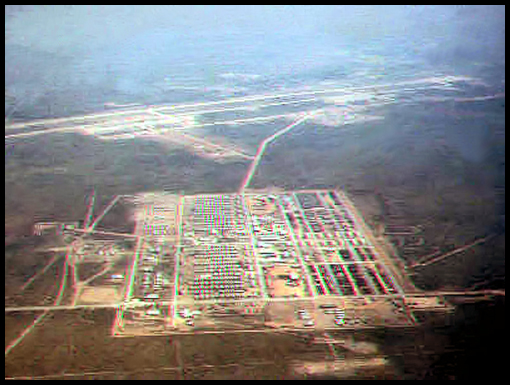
<point x="114" y="112"/>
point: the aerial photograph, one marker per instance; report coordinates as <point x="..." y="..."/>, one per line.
<point x="254" y="192"/>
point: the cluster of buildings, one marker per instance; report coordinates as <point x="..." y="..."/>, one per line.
<point x="217" y="261"/>
<point x="96" y="251"/>
<point x="153" y="280"/>
<point x="270" y="235"/>
<point x="217" y="217"/>
<point x="257" y="245"/>
<point x="234" y="249"/>
<point x="44" y="228"/>
<point x="341" y="261"/>
<point x="221" y="272"/>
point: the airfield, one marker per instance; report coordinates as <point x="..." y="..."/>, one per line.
<point x="186" y="124"/>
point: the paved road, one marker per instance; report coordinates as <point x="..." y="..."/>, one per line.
<point x="105" y="211"/>
<point x="262" y="149"/>
<point x="16" y="309"/>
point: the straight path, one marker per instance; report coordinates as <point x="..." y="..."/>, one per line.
<point x="178" y="251"/>
<point x="130" y="280"/>
<point x="134" y="268"/>
<point x="41" y="272"/>
<point x="90" y="210"/>
<point x="453" y="252"/>
<point x="460" y="293"/>
<point x="38" y="132"/>
<point x="263" y="146"/>
<point x="18" y="309"/>
<point x="98" y="232"/>
<point x="41" y="317"/>
<point x="105" y="211"/>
